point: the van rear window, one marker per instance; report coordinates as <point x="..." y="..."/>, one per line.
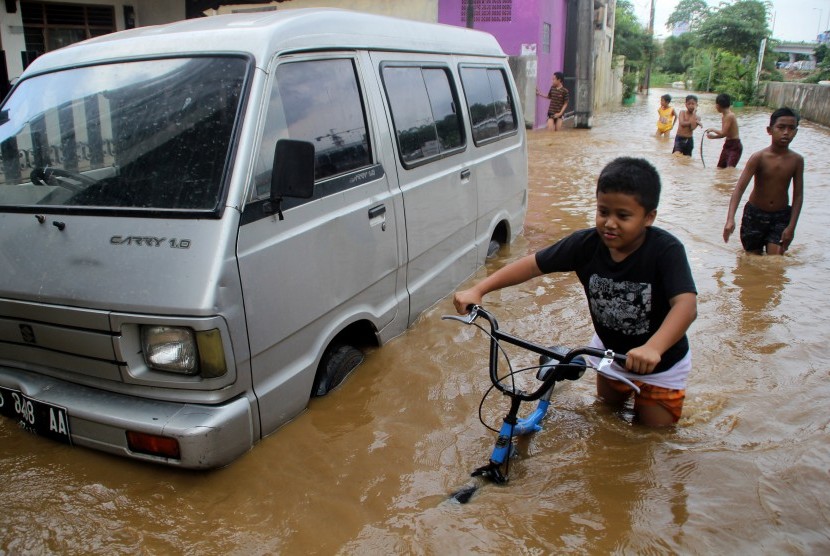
<point x="151" y="134"/>
<point x="490" y="103"/>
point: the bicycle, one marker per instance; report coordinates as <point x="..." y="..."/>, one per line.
<point x="556" y="364"/>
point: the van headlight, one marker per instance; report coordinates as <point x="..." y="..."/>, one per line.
<point x="182" y="350"/>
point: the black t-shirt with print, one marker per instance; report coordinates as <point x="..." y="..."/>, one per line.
<point x="628" y="300"/>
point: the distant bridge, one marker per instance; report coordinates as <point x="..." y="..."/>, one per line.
<point x="795" y="48"/>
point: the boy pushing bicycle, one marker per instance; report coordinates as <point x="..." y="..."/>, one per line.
<point x="641" y="294"/>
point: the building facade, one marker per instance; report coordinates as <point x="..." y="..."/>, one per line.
<point x="30" y="28"/>
<point x="531" y="33"/>
<point x="539" y="36"/>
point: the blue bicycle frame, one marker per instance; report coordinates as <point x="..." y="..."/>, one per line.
<point x="555" y="365"/>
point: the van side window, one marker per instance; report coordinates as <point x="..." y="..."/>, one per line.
<point x="424" y="112"/>
<point x="489" y="102"/>
<point x="317" y="101"/>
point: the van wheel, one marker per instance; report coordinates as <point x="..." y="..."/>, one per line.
<point x="338" y="361"/>
<point x="493" y="248"/>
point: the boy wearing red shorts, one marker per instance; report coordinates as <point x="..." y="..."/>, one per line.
<point x="732" y="147"/>
<point x="636" y="277"/>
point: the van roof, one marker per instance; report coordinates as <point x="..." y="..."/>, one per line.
<point x="264" y="33"/>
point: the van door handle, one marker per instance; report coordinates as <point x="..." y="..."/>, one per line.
<point x="379" y="210"/>
<point x="465" y="174"/>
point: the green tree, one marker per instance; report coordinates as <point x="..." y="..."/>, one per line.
<point x="821" y="53"/>
<point x="632" y="41"/>
<point x="675" y="57"/>
<point x="630" y="38"/>
<point x="693" y="12"/>
<point x="737" y="27"/>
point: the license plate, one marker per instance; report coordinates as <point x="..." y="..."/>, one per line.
<point x="35" y="416"/>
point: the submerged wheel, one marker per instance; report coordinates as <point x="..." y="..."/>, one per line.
<point x="338" y="361"/>
<point x="493" y="248"/>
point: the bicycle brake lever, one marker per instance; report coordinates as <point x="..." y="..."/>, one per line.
<point x="604" y="368"/>
<point x="466" y="319"/>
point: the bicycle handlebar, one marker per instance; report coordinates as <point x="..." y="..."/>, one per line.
<point x="606" y="356"/>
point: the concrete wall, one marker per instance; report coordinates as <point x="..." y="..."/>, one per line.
<point x="523" y="69"/>
<point x="607" y="71"/>
<point x="811" y="101"/>
<point x="608" y="88"/>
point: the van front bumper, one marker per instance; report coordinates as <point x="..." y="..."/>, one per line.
<point x="208" y="435"/>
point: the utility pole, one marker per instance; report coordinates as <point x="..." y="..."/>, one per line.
<point x="757" y="79"/>
<point x="650" y="30"/>
<point x="583" y="93"/>
<point x="471" y="13"/>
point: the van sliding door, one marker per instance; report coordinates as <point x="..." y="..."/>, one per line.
<point x="333" y="260"/>
<point x="435" y="177"/>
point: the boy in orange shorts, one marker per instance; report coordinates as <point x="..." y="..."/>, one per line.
<point x="636" y="277"/>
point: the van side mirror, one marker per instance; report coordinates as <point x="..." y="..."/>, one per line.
<point x="293" y="172"/>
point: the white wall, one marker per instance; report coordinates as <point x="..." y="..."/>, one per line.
<point x="11" y="37"/>
<point x="607" y="70"/>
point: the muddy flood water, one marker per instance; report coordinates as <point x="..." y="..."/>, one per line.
<point x="368" y="469"/>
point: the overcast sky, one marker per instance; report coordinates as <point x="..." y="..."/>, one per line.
<point x="794" y="20"/>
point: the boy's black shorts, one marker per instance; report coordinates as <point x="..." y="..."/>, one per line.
<point x="683" y="145"/>
<point x="759" y="227"/>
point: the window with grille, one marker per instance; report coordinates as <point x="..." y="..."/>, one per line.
<point x="49" y="26"/>
<point x="488" y="10"/>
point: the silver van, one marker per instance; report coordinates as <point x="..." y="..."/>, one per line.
<point x="202" y="224"/>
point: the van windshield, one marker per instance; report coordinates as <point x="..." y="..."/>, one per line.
<point x="152" y="134"/>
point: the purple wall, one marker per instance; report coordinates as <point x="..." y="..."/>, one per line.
<point x="516" y="23"/>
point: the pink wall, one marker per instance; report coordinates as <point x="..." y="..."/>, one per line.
<point x="515" y="24"/>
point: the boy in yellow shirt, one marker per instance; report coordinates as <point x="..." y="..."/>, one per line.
<point x="666" y="116"/>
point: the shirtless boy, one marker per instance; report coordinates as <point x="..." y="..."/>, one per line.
<point x="732" y="147"/>
<point x="768" y="220"/>
<point x="687" y="122"/>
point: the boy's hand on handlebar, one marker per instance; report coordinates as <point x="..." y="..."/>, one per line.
<point x="463" y="299"/>
<point x="642" y="360"/>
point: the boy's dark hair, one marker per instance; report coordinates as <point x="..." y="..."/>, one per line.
<point x="784" y="111"/>
<point x="631" y="176"/>
<point x="666" y="97"/>
<point x="559" y="75"/>
<point x="723" y="100"/>
<point x="691" y="97"/>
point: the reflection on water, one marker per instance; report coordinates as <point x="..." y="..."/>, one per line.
<point x="369" y="468"/>
<point x="758" y="283"/>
